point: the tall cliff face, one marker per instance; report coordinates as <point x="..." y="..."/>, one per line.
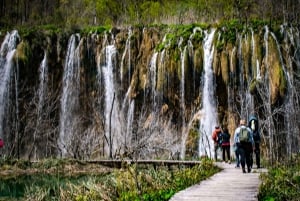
<point x="152" y="92"/>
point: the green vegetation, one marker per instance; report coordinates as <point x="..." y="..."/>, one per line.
<point x="84" y="13"/>
<point x="282" y="182"/>
<point x="53" y="179"/>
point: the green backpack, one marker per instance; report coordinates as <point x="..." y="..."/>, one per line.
<point x="244" y="134"/>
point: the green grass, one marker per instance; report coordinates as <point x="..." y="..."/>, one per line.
<point x="54" y="179"/>
<point x="282" y="182"/>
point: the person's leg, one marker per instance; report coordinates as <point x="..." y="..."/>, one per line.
<point x="237" y="158"/>
<point x="242" y="158"/>
<point x="223" y="152"/>
<point x="248" y="156"/>
<point x="216" y="151"/>
<point x="228" y="153"/>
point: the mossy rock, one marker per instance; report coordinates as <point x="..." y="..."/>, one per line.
<point x="23" y="52"/>
<point x="252" y="86"/>
<point x="278" y="82"/>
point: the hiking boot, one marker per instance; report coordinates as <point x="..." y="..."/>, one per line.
<point x="244" y="171"/>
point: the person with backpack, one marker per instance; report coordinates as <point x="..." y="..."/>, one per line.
<point x="253" y="125"/>
<point x="225" y="136"/>
<point x="216" y="136"/>
<point x="243" y="139"/>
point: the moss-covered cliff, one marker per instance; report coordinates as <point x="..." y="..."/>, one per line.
<point x="158" y="75"/>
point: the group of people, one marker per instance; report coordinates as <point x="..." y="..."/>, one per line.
<point x="246" y="141"/>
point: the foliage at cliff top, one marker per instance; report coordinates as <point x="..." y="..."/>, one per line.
<point x="82" y="13"/>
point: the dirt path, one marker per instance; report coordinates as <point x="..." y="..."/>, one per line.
<point x="228" y="185"/>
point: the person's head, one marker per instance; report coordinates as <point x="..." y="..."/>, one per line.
<point x="242" y="122"/>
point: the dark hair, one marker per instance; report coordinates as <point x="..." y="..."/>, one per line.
<point x="225" y="130"/>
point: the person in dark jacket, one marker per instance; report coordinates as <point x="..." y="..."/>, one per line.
<point x="253" y="125"/>
<point x="225" y="145"/>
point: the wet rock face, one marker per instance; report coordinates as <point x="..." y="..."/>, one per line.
<point x="162" y="72"/>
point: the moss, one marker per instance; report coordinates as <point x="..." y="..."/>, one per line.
<point x="23" y="52"/>
<point x="253" y="85"/>
<point x="257" y="24"/>
<point x="96" y="29"/>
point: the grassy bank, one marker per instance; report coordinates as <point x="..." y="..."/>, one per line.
<point x="54" y="179"/>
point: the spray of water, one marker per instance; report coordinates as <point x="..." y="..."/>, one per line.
<point x="70" y="97"/>
<point x="209" y="115"/>
<point x="7" y="53"/>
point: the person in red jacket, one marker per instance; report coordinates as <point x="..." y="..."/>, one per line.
<point x="1" y="143"/>
<point x="216" y="138"/>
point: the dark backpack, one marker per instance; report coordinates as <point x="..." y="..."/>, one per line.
<point x="220" y="139"/>
<point x="244" y="134"/>
<point x="225" y="137"/>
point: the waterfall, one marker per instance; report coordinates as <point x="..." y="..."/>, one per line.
<point x="42" y="93"/>
<point x="43" y="89"/>
<point x="70" y="97"/>
<point x="255" y="61"/>
<point x="127" y="53"/>
<point x="112" y="119"/>
<point x="267" y="97"/>
<point x="7" y="53"/>
<point x="182" y="83"/>
<point x="153" y="77"/>
<point x="129" y="130"/>
<point x="290" y="103"/>
<point x="209" y="118"/>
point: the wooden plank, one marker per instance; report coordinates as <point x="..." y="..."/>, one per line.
<point x="227" y="185"/>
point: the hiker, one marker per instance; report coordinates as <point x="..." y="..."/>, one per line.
<point x="244" y="141"/>
<point x="216" y="138"/>
<point x="1" y="143"/>
<point x="225" y="144"/>
<point x="253" y="125"/>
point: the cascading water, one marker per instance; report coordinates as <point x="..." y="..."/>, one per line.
<point x="42" y="92"/>
<point x="70" y="97"/>
<point x="209" y="114"/>
<point x="153" y="76"/>
<point x="127" y="53"/>
<point x="245" y="98"/>
<point x="255" y="61"/>
<point x="7" y="53"/>
<point x="153" y="115"/>
<point x="292" y="102"/>
<point x="43" y="89"/>
<point x="113" y="123"/>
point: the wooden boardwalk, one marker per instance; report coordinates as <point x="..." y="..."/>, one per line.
<point x="228" y="185"/>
